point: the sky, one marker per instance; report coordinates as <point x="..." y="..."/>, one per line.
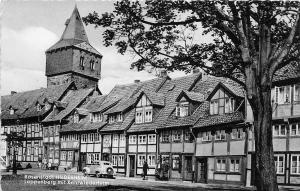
<point x="28" y="28"/>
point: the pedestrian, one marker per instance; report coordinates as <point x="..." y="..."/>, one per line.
<point x="145" y="170"/>
<point x="49" y="166"/>
<point x="44" y="164"/>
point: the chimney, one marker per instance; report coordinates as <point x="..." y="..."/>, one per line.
<point x="13" y="92"/>
<point x="196" y="70"/>
<point x="204" y="76"/>
<point x="163" y="73"/>
<point x="67" y="22"/>
<point x="137" y="81"/>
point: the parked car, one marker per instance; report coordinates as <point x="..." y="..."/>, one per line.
<point x="100" y="169"/>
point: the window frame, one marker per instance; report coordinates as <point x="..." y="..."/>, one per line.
<point x="142" y="141"/>
<point x="277" y="167"/>
<point x="297" y="167"/>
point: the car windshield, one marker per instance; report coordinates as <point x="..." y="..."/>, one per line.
<point x="106" y="163"/>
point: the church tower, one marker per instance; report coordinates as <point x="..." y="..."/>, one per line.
<point x="72" y="58"/>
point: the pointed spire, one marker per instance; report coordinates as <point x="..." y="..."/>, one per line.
<point x="74" y="27"/>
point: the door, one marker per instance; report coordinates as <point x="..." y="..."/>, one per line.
<point x="202" y="170"/>
<point x="131" y="165"/>
<point x="82" y="161"/>
<point x="188" y="168"/>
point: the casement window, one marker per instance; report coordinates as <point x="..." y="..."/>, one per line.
<point x="115" y="142"/>
<point x="112" y="118"/>
<point x="175" y="162"/>
<point x="63" y="155"/>
<point x="132" y="139"/>
<point x="279" y="164"/>
<point x="283" y="94"/>
<point x="295" y="164"/>
<point x="141" y="160"/>
<point x="176" y="134"/>
<point x="115" y="160"/>
<point x="165" y="136"/>
<point x="97" y="137"/>
<point x="221" y="103"/>
<point x="142" y="139"/>
<point x="11" y="111"/>
<point x="121" y="160"/>
<point x="297" y="93"/>
<point x="91" y="137"/>
<point x="143" y="111"/>
<point x="38" y="107"/>
<point x="220" y="135"/>
<point x="81" y="63"/>
<point x="237" y="133"/>
<point x="70" y="155"/>
<point x="96" y="156"/>
<point x="119" y="117"/>
<point x="206" y="136"/>
<point x="97" y="117"/>
<point x="84" y="138"/>
<point x="151" y="139"/>
<point x="295" y="129"/>
<point x="122" y="140"/>
<point x="221" y="165"/>
<point x="76" y="118"/>
<point x="182" y="109"/>
<point x="279" y="130"/>
<point x="151" y="160"/>
<point x="148" y="115"/>
<point x="92" y="65"/>
<point x="234" y="165"/>
<point x="165" y="158"/>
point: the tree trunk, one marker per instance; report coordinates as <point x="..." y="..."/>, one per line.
<point x="265" y="177"/>
<point x="14" y="162"/>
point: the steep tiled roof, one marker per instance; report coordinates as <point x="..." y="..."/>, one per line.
<point x="25" y="102"/>
<point x="193" y="96"/>
<point x="290" y="71"/>
<point x="156" y="98"/>
<point x="74" y="98"/>
<point x="119" y="126"/>
<point x="83" y="125"/>
<point x="94" y="103"/>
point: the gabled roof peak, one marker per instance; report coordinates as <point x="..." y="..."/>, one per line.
<point x="74" y="28"/>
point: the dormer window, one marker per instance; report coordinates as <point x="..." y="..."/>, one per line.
<point x="111" y="119"/>
<point x="221" y="103"/>
<point x="81" y="63"/>
<point x="11" y="111"/>
<point x="38" y="107"/>
<point x="97" y="117"/>
<point x="119" y="117"/>
<point x="283" y="94"/>
<point x="144" y="111"/>
<point x="182" y="109"/>
<point x="92" y="65"/>
<point x="76" y="118"/>
<point x="47" y="106"/>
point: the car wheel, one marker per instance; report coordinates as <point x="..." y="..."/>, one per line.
<point x="98" y="175"/>
<point x="110" y="172"/>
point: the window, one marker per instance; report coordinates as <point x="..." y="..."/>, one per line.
<point x="295" y="129"/>
<point x="92" y="65"/>
<point x="121" y="160"/>
<point x="38" y="107"/>
<point x="132" y="139"/>
<point x="111" y="118"/>
<point x="220" y="135"/>
<point x="234" y="165"/>
<point x="165" y="136"/>
<point x="115" y="160"/>
<point x="187" y="135"/>
<point x="70" y="155"/>
<point x="97" y="137"/>
<point x="295" y="164"/>
<point x="47" y="106"/>
<point x="206" y="136"/>
<point x="221" y="103"/>
<point x="91" y="137"/>
<point x="297" y="93"/>
<point x="11" y="111"/>
<point x="76" y="118"/>
<point x="119" y="117"/>
<point x="141" y="160"/>
<point x="97" y="117"/>
<point x="81" y="63"/>
<point x="115" y="142"/>
<point x="182" y="109"/>
<point x="142" y="139"/>
<point x="151" y="160"/>
<point x="106" y="140"/>
<point x="151" y="139"/>
<point x="237" y="133"/>
<point x="148" y="115"/>
<point x="84" y="138"/>
<point x="176" y="135"/>
<point x="139" y="116"/>
<point x="279" y="130"/>
<point x="283" y="94"/>
<point x="221" y="165"/>
<point x="279" y="164"/>
<point x="122" y="140"/>
<point x="175" y="162"/>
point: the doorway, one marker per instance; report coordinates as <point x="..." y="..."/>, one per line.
<point x="131" y="165"/>
<point x="187" y="168"/>
<point x="202" y="170"/>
